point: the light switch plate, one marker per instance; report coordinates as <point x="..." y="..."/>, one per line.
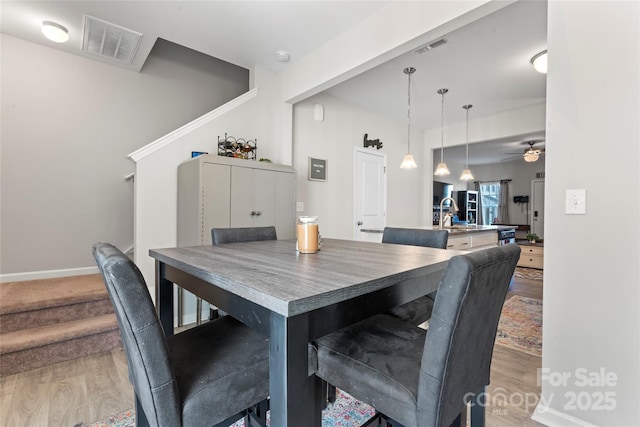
<point x="299" y="206"/>
<point x="576" y="202"/>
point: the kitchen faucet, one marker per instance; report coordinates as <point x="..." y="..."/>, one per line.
<point x="455" y="207"/>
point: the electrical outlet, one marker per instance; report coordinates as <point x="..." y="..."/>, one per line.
<point x="299" y="206"/>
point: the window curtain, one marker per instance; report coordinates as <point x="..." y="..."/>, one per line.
<point x="503" y="204"/>
<point x="479" y="215"/>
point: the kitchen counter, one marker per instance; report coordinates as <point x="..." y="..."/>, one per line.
<point x="458" y="230"/>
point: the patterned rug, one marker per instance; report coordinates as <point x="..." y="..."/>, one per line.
<point x="528" y="273"/>
<point x="345" y="412"/>
<point x="520" y="326"/>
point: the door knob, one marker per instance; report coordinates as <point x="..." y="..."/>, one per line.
<point x="359" y="223"/>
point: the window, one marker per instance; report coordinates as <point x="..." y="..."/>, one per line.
<point x="490" y="195"/>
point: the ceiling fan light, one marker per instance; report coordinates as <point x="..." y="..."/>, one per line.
<point x="531" y="156"/>
<point x="539" y="62"/>
<point x="442" y="169"/>
<point x="55" y="32"/>
<point x="408" y="162"/>
<point x="466" y="175"/>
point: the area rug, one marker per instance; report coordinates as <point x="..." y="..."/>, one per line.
<point x="520" y="326"/>
<point x="345" y="412"/>
<point x="528" y="273"/>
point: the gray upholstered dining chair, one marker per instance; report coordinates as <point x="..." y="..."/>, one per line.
<point x="242" y="234"/>
<point x="419" y="378"/>
<point x="419" y="310"/>
<point x="209" y="375"/>
<point x="220" y="236"/>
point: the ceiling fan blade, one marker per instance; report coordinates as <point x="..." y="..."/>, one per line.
<point x="511" y="158"/>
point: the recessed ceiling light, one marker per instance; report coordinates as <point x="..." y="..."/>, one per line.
<point x="55" y="32"/>
<point x="282" y="55"/>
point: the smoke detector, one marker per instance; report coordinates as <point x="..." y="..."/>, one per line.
<point x="109" y="41"/>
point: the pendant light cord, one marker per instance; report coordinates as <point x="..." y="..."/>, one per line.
<point x="443" y="91"/>
<point x="466" y="165"/>
<point x="409" y="113"/>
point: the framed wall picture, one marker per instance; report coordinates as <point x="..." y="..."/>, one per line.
<point x="317" y="169"/>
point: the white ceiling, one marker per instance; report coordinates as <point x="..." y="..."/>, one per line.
<point x="245" y="33"/>
<point x="485" y="63"/>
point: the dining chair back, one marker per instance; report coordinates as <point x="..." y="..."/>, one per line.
<point x="242" y="234"/>
<point x="204" y="376"/>
<point x="416" y="237"/>
<point x="421" y="378"/>
<point x="462" y="331"/>
<point x="419" y="310"/>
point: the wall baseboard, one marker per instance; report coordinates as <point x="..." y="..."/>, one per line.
<point x="47" y="274"/>
<point x="552" y="417"/>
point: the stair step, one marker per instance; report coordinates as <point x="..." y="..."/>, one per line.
<point x="33" y="348"/>
<point x="37" y="337"/>
<point x="16" y="297"/>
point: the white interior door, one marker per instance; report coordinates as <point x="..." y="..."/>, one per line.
<point x="370" y="195"/>
<point x="537" y="207"/>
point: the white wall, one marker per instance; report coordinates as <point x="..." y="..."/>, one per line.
<point x="68" y="123"/>
<point x="156" y="172"/>
<point x="591" y="319"/>
<point x="334" y="139"/>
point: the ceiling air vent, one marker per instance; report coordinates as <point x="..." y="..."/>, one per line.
<point x="430" y="45"/>
<point x="109" y="41"/>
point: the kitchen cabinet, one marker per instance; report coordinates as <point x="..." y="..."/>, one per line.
<point x="472" y="240"/>
<point x="531" y="256"/>
<point x="216" y="191"/>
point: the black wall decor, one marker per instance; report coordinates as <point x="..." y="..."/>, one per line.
<point x="372" y="142"/>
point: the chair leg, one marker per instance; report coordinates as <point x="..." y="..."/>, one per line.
<point x="377" y="419"/>
<point x="390" y="422"/>
<point x="258" y="414"/>
<point x="478" y="409"/>
<point x="331" y="393"/>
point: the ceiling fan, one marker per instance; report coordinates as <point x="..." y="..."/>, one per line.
<point x="530" y="154"/>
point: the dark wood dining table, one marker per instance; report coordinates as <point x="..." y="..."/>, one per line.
<point x="294" y="298"/>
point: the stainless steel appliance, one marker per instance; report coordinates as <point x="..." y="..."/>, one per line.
<point x="506" y="236"/>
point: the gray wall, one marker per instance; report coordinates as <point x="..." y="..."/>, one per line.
<point x="68" y="124"/>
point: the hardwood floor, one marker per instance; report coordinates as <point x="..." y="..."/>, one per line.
<point x="91" y="388"/>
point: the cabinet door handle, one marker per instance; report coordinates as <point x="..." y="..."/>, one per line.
<point x="253" y="213"/>
<point x="258" y="213"/>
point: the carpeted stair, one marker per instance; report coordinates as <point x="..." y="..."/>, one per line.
<point x="43" y="322"/>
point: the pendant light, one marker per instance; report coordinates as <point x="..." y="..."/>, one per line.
<point x="442" y="168"/>
<point x="466" y="173"/>
<point x="407" y="161"/>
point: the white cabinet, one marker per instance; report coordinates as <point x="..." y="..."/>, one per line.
<point x="215" y="191"/>
<point x="473" y="240"/>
